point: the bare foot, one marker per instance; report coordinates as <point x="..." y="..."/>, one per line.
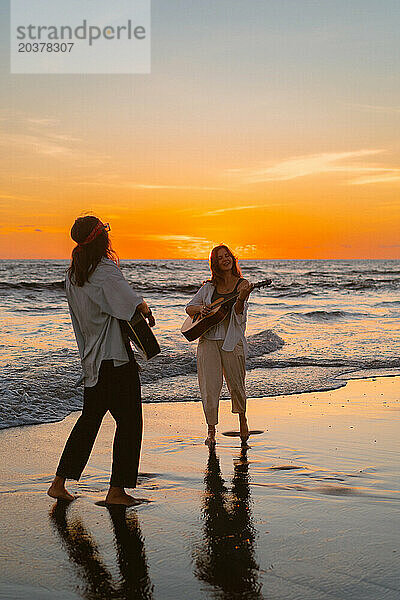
<point x="58" y="492"/>
<point x="244" y="428"/>
<point x="119" y="496"/>
<point x="210" y="439"/>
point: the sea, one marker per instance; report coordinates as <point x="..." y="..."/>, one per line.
<point x="320" y="323"/>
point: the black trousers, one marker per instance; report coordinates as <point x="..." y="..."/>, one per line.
<point x="117" y="390"/>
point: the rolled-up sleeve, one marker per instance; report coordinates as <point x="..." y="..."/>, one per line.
<point x="112" y="292"/>
<point x="199" y="297"/>
<point x="241" y="318"/>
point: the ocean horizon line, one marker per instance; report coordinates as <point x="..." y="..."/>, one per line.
<point x="42" y="258"/>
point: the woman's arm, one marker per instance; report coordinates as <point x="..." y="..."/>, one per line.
<point x="144" y="308"/>
<point x="244" y="289"/>
<point x="197" y="304"/>
<point x="193" y="309"/>
<point x="110" y="290"/>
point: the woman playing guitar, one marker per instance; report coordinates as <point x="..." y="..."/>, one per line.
<point x="222" y="349"/>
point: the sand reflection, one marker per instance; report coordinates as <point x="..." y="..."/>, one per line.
<point x="225" y="558"/>
<point x="83" y="552"/>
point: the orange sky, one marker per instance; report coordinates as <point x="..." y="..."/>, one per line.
<point x="281" y="142"/>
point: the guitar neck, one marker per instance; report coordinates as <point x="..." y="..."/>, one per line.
<point x="256" y="286"/>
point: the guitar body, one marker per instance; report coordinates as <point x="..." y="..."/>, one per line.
<point x="139" y="332"/>
<point x="194" y="327"/>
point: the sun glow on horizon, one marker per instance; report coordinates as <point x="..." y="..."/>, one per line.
<point x="283" y="145"/>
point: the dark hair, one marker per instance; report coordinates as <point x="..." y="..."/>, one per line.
<point x="86" y="257"/>
<point x="216" y="275"/>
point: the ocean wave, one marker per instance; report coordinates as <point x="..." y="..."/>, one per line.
<point x="325" y="315"/>
<point x="286" y="286"/>
<point x="170" y="288"/>
<point x="43" y="398"/>
<point x="292" y="289"/>
<point x="375" y="272"/>
<point x="38" y="309"/>
<point x="264" y="342"/>
<point x="268" y="377"/>
<point x="348" y="363"/>
<point x="364" y="284"/>
<point x="44" y="390"/>
<point x="173" y="363"/>
<point x="394" y="303"/>
<point x="150" y="287"/>
<point x="306" y="287"/>
<point x="32" y="285"/>
<point x="349" y="272"/>
<point x="295" y="294"/>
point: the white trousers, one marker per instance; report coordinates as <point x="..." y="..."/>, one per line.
<point x="212" y="364"/>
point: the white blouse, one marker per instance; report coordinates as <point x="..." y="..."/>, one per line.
<point x="234" y="333"/>
<point x="95" y="309"/>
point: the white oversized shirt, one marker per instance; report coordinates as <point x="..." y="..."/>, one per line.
<point x="234" y="333"/>
<point x="95" y="309"/>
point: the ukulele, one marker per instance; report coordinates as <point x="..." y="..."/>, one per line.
<point x="195" y="326"/>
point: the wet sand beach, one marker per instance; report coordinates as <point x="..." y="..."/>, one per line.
<point x="311" y="510"/>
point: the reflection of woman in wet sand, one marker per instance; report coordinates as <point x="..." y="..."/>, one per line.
<point x="225" y="559"/>
<point x="221" y="350"/>
<point x="84" y="554"/>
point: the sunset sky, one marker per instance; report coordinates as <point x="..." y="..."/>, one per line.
<point x="270" y="125"/>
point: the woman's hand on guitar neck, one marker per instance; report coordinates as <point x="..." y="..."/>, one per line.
<point x="245" y="288"/>
<point x="244" y="291"/>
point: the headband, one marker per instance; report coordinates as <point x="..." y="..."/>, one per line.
<point x="93" y="234"/>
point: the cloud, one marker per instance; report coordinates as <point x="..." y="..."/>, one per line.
<point x="219" y="211"/>
<point x="377" y="108"/>
<point x="42" y="136"/>
<point x="110" y="180"/>
<point x="19" y="229"/>
<point x="388" y="176"/>
<point x="16" y="197"/>
<point x="51" y="146"/>
<point x="247" y="249"/>
<point x="186" y="244"/>
<point x="317" y="164"/>
<point x="149" y="186"/>
<point x="300" y="166"/>
<point x="46" y="121"/>
<point x="35" y="143"/>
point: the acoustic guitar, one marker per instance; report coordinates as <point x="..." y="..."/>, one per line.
<point x="139" y="332"/>
<point x="195" y="326"/>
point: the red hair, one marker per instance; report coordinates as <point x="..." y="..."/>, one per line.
<point x="216" y="274"/>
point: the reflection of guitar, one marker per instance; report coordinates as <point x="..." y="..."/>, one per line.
<point x="141" y="335"/>
<point x="195" y="326"/>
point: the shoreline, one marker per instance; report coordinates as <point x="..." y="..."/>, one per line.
<point x="342" y="380"/>
<point x="307" y="511"/>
